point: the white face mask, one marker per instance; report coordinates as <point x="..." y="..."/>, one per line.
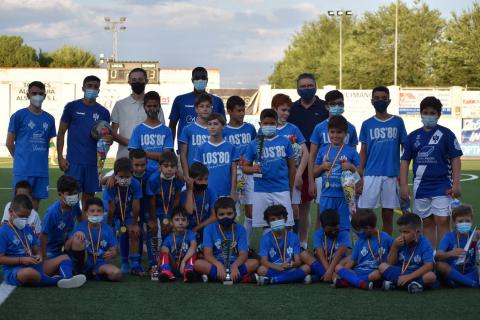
<point x="164" y="177"/>
<point x="20" y="223"/>
<point x="95" y="219"/>
<point x="37" y="100"/>
<point x="71" y="200"/>
<point x="124" y="182"/>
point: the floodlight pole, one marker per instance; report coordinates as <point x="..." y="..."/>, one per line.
<point x="340" y="14"/>
<point x="396" y="46"/>
<point x="115" y="27"/>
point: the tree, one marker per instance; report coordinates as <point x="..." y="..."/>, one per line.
<point x="457" y="57"/>
<point x="69" y="56"/>
<point x="13" y="53"/>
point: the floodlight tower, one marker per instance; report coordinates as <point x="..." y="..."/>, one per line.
<point x="115" y="26"/>
<point x="340" y="14"/>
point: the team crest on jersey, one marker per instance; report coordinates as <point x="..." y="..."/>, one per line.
<point x="31" y="124"/>
<point x="218" y="244"/>
<point x="272" y="253"/>
<point x="417" y="141"/>
<point x="289" y="251"/>
<point x="401" y="256"/>
<point x="45" y="126"/>
<point x="417" y="259"/>
<point x="16" y="241"/>
<point x="364" y="252"/>
<point x="96" y="116"/>
<point x="103" y="243"/>
<point x="437" y="136"/>
<point x="61" y="225"/>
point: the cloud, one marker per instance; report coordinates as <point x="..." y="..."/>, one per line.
<point x="45" y="30"/>
<point x="35" y="5"/>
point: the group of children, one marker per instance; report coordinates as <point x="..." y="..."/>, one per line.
<point x="182" y="214"/>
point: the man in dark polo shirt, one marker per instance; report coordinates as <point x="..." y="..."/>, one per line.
<point x="306" y="113"/>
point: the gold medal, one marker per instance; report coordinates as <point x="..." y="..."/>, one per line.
<point x="165" y="221"/>
<point x="327" y="184"/>
<point x="123" y="229"/>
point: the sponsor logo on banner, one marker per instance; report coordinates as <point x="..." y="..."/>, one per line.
<point x="471" y="137"/>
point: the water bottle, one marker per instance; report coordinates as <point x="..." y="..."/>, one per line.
<point x="405" y="205"/>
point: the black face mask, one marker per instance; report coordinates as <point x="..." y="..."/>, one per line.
<point x="138" y="87"/>
<point x="153" y="113"/>
<point x="200" y="186"/>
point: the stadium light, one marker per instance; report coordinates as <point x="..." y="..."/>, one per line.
<point x="395" y="62"/>
<point x="340" y="14"/>
<point x="115" y="27"/>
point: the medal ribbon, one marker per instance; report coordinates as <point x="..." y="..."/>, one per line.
<point x="405" y="267"/>
<point x="199" y="218"/>
<point x="334" y="160"/>
<point x="325" y="248"/>
<point x="123" y="207"/>
<point x="165" y="208"/>
<point x="284" y="257"/>
<point x="379" y="251"/>
<point x="94" y="250"/>
<point x="181" y="247"/>
<point x="25" y="244"/>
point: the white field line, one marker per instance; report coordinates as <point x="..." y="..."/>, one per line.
<point x="5" y="291"/>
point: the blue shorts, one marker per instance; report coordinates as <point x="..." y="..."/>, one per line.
<point x="53" y="255"/>
<point x="39" y="185"/>
<point x="86" y="176"/>
<point x="362" y="274"/>
<point x="273" y="273"/>
<point x="341" y="206"/>
<point x="91" y="270"/>
<point x="392" y="274"/>
<point x="10" y="274"/>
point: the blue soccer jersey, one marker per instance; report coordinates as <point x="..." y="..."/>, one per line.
<point x="57" y="225"/>
<point x="203" y="204"/>
<point x="81" y="147"/>
<point x="144" y="202"/>
<point x="94" y="243"/>
<point x="331" y="245"/>
<point x="383" y="139"/>
<point x="164" y="190"/>
<point x="320" y="135"/>
<point x="432" y="152"/>
<point x="279" y="248"/>
<point x="213" y="235"/>
<point x="274" y="164"/>
<point x="240" y="137"/>
<point x="369" y="253"/>
<point x="16" y="243"/>
<point x="32" y="138"/>
<point x="178" y="244"/>
<point x="453" y="240"/>
<point x="291" y="132"/>
<point x="194" y="135"/>
<point x="151" y="139"/>
<point x="414" y="257"/>
<point x="183" y="109"/>
<point x="219" y="159"/>
<point x="123" y="198"/>
<point x="331" y="184"/>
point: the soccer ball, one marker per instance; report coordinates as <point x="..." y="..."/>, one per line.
<point x="100" y="128"/>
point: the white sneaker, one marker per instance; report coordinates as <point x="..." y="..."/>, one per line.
<point x="73" y="282"/>
<point x="307" y="279"/>
<point x="262" y="280"/>
<point x="388" y="285"/>
<point x="204" y="278"/>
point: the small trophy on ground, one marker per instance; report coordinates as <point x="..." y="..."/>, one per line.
<point x="227" y="247"/>
<point x="260" y="140"/>
<point x="155" y="272"/>
<point x="100" y="129"/>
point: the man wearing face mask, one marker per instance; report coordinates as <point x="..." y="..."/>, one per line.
<point x="28" y="138"/>
<point x="129" y="112"/>
<point x="78" y="118"/>
<point x="183" y="107"/>
<point x="306" y="113"/>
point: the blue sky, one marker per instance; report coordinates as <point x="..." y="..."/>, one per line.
<point x="243" y="38"/>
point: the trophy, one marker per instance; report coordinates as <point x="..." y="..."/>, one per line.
<point x="260" y="140"/>
<point x="100" y="129"/>
<point x="227" y="246"/>
<point x="155" y="273"/>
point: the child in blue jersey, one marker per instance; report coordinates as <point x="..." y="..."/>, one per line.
<point x="29" y="132"/>
<point x="410" y="261"/>
<point x="331" y="160"/>
<point x="271" y="156"/>
<point x="451" y="251"/>
<point x="60" y="218"/>
<point x="164" y="191"/>
<point x="381" y="137"/>
<point x="199" y="200"/>
<point x="93" y="243"/>
<point x="436" y="154"/>
<point x="360" y="270"/>
<point x="123" y="212"/>
<point x="220" y="157"/>
<point x="151" y="135"/>
<point x="20" y="257"/>
<point x="195" y="134"/>
<point x="280" y="252"/>
<point x="212" y="265"/>
<point x="331" y="246"/>
<point x="334" y="103"/>
<point x="282" y="104"/>
<point x="240" y="134"/>
<point x="178" y="249"/>
<point x="78" y="118"/>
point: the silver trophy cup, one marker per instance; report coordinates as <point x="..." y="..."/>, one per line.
<point x="155" y="272"/>
<point x="227" y="247"/>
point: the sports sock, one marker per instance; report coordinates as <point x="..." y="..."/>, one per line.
<point x="124" y="247"/>
<point x="47" y="281"/>
<point x="317" y="269"/>
<point x="213" y="273"/>
<point x="243" y="270"/>
<point x="65" y="269"/>
<point x="134" y="260"/>
<point x="165" y="262"/>
<point x="289" y="276"/>
<point x="78" y="260"/>
<point x="462" y="279"/>
<point x="248" y="228"/>
<point x="349" y="276"/>
<point x="295" y="226"/>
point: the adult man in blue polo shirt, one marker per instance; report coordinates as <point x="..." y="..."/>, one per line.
<point x="183" y="109"/>
<point x="306" y="113"/>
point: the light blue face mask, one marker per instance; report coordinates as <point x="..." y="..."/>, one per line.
<point x="277" y="225"/>
<point x="336" y="110"/>
<point x="463" y="227"/>
<point x="429" y="121"/>
<point x="200" y="85"/>
<point x="269" y="131"/>
<point x="91" y="94"/>
<point x="95" y="219"/>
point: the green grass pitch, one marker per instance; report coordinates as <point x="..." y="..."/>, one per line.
<point x="139" y="298"/>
